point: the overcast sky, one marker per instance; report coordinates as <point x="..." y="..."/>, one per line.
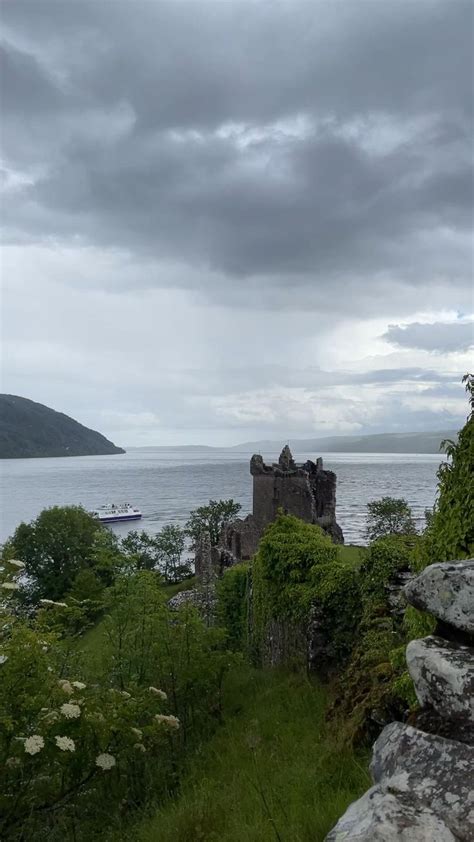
<point x="237" y="220"/>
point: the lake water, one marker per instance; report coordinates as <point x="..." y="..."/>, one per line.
<point x="167" y="484"/>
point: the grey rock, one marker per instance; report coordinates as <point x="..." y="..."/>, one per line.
<point x="447" y="591"/>
<point x="443" y="675"/>
<point x="435" y="772"/>
<point x="380" y="816"/>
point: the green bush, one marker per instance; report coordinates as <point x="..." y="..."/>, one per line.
<point x="60" y="542"/>
<point x="450" y="531"/>
<point x="233" y="596"/>
<point x="296" y="573"/>
<point x="375" y="688"/>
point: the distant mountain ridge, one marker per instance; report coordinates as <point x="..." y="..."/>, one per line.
<point x="29" y="429"/>
<point x="376" y="443"/>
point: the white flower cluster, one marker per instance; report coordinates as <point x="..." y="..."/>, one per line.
<point x="3" y="658"/>
<point x="10" y="586"/>
<point x="70" y="711"/>
<point x="160" y="693"/>
<point x="66" y="686"/>
<point x="105" y="761"/>
<point x="52" y="602"/>
<point x="15" y="563"/>
<point x="65" y="743"/>
<point x="34" y="744"/>
<point x="79" y="685"/>
<point x="170" y="721"/>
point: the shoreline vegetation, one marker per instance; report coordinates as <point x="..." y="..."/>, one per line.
<point x="129" y="710"/>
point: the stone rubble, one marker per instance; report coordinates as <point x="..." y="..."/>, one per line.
<point x="423" y="782"/>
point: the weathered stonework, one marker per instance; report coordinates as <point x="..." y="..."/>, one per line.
<point x="446" y="591"/>
<point x="306" y="491"/>
<point x="423" y="781"/>
<point x="443" y="675"/>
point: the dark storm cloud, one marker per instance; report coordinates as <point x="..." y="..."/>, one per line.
<point x="439" y="337"/>
<point x="124" y="111"/>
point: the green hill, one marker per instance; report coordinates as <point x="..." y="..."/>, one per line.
<point x="29" y="429"/>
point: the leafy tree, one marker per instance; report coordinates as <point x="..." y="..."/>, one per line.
<point x="389" y="516"/>
<point x="162" y="552"/>
<point x="55" y="546"/>
<point x="450" y="531"/>
<point x="211" y="518"/>
<point x="142" y="549"/>
<point x="170" y="544"/>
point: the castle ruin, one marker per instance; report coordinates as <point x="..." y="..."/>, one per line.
<point x="306" y="491"/>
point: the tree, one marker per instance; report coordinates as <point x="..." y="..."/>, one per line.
<point x="450" y="531"/>
<point x="389" y="516"/>
<point x="170" y="544"/>
<point x="211" y="518"/>
<point x="54" y="547"/>
<point x="142" y="548"/>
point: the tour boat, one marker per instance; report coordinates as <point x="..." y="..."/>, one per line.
<point x="114" y="512"/>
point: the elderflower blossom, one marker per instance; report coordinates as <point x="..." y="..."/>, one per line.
<point x="160" y="693"/>
<point x="139" y="747"/>
<point x="10" y="586"/>
<point x="3" y="658"/>
<point x="66" y="686"/>
<point x="137" y="732"/>
<point x="70" y="711"/>
<point x="51" y="717"/>
<point x="65" y="743"/>
<point x="34" y="744"/>
<point x="105" y="761"/>
<point x="16" y="563"/>
<point x="171" y="721"/>
<point x="79" y="685"/>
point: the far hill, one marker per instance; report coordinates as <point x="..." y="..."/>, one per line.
<point x="376" y="443"/>
<point x="29" y="429"/>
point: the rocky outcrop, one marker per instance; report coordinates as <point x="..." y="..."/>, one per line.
<point x="443" y="675"/>
<point x="447" y="592"/>
<point x="423" y="781"/>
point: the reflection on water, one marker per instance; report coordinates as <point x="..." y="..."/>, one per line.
<point x="166" y="485"/>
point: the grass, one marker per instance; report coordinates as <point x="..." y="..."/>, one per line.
<point x="93" y="643"/>
<point x="352" y="554"/>
<point x="272" y="771"/>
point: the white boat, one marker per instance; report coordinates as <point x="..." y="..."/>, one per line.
<point x="114" y="512"/>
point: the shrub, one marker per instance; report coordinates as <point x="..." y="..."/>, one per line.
<point x="450" y="531"/>
<point x="56" y="545"/>
<point x="233" y="596"/>
<point x="389" y="516"/>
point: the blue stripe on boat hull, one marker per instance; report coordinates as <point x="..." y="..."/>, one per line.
<point x="119" y="519"/>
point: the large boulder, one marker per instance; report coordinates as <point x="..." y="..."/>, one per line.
<point x="429" y="769"/>
<point x="380" y="816"/>
<point x="447" y="591"/>
<point x="443" y="675"/>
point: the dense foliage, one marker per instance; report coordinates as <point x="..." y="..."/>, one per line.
<point x="57" y="545"/>
<point x="389" y="516"/>
<point x="297" y="577"/>
<point x="211" y="518"/>
<point x="162" y="552"/>
<point x="81" y="739"/>
<point x="233" y="603"/>
<point x="450" y="533"/>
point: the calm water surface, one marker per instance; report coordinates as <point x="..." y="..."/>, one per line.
<point x="166" y="485"/>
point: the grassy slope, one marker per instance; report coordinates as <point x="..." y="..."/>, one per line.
<point x="271" y="772"/>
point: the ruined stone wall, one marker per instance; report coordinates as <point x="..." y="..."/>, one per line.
<point x="305" y="491"/>
<point x="423" y="775"/>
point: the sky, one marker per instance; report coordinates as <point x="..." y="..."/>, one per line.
<point x="225" y="221"/>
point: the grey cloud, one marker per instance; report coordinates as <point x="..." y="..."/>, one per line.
<point x="439" y="337"/>
<point x="314" y="210"/>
